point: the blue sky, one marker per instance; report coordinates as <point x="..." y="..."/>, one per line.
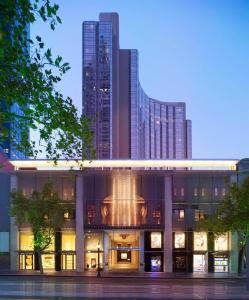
<point x="194" y="51"/>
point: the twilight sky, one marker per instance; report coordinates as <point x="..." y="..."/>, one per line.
<point x="193" y="51"/>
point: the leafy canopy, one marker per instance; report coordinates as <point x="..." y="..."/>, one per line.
<point x="29" y="73"/>
<point x="43" y="211"/>
<point x="232" y="214"/>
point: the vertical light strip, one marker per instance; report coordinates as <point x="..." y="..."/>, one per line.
<point x="129" y="201"/>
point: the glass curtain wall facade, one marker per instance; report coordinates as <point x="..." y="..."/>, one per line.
<point x="122" y="114"/>
<point x="124" y="213"/>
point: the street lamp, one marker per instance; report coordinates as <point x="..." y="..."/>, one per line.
<point x="98" y="269"/>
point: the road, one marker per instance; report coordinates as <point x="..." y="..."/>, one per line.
<point x="36" y="287"/>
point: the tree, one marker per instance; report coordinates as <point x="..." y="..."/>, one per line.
<point x="28" y="76"/>
<point x="232" y="214"/>
<point x="43" y="211"/>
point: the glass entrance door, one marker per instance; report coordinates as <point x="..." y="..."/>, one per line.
<point x="26" y="261"/>
<point x="199" y="263"/>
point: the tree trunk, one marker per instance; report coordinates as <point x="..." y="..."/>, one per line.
<point x="241" y="259"/>
<point x="40" y="261"/>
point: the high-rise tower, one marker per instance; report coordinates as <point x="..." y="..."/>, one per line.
<point x="126" y="122"/>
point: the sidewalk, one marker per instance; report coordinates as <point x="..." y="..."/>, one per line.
<point x="130" y="274"/>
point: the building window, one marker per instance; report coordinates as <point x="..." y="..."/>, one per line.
<point x="223" y="192"/>
<point x="179" y="241"/>
<point x="199" y="215"/>
<point x="4" y="242"/>
<point x="69" y="214"/>
<point x="181" y="214"/>
<point x="216" y="191"/>
<point x="91" y="214"/>
<point x="221" y="243"/>
<point x="182" y="192"/>
<point x="156" y="240"/>
<point x="195" y="192"/>
<point x="175" y="192"/>
<point x="157" y="216"/>
<point x="202" y="192"/>
<point x="200" y="241"/>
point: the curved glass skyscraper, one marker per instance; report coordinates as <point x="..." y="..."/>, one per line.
<point x="126" y="122"/>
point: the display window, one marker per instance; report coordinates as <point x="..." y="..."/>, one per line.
<point x="68" y="241"/>
<point x="180" y="263"/>
<point x="221" y="242"/>
<point x="91" y="260"/>
<point x="179" y="241"/>
<point x="26" y="241"/>
<point x="156" y="240"/>
<point x="200" y="241"/>
<point x="92" y="240"/>
<point x="220" y="264"/>
<point x="68" y="250"/>
<point x="26" y="261"/>
<point x="156" y="263"/>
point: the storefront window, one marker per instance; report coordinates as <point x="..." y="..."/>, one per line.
<point x="200" y="241"/>
<point x="68" y="250"/>
<point x="156" y="240"/>
<point x="92" y="240"/>
<point x="68" y="241"/>
<point x="221" y="264"/>
<point x="221" y="243"/>
<point x="179" y="240"/>
<point x="48" y="258"/>
<point x="26" y="241"/>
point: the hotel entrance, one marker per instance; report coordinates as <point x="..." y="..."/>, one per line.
<point x="123" y="250"/>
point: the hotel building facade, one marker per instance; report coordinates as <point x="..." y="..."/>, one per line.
<point x="142" y="218"/>
<point x="126" y="122"/>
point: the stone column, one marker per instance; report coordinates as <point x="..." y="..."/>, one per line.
<point x="79" y="225"/>
<point x="167" y="242"/>
<point x="234" y="251"/>
<point x="106" y="251"/>
<point x="141" y="251"/>
<point x="14" y="233"/>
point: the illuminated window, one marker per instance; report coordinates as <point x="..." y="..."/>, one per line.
<point x="91" y="214"/>
<point x="68" y="241"/>
<point x="156" y="240"/>
<point x="181" y="214"/>
<point x="195" y="192"/>
<point x="223" y="192"/>
<point x="179" y="240"/>
<point x="221" y="243"/>
<point x="199" y="215"/>
<point x="200" y="241"/>
<point x="182" y="192"/>
<point x="157" y="216"/>
<point x="216" y="191"/>
<point x="202" y="192"/>
<point x="69" y="215"/>
<point x="26" y="241"/>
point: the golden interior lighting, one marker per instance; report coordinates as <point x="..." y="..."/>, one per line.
<point x="124" y="200"/>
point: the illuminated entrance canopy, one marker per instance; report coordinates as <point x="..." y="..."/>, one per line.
<point x="199" y="164"/>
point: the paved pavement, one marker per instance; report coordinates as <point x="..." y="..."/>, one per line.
<point x="66" y="287"/>
<point x="127" y="274"/>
